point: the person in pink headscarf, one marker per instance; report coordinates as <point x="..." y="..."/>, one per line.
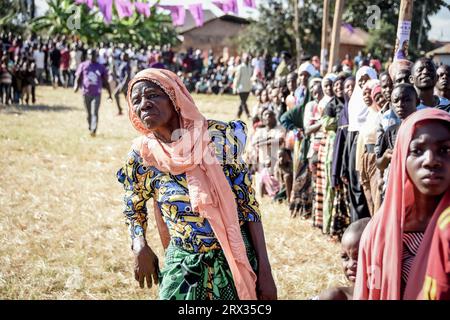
<point x="404" y="251"/>
<point x="208" y="219"/>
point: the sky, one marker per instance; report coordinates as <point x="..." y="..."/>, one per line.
<point x="440" y="25"/>
<point x="440" y="22"/>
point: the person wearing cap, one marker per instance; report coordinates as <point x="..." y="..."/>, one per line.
<point x="91" y="75"/>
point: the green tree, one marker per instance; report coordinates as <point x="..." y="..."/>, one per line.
<point x="274" y="29"/>
<point x="14" y="14"/>
<point x="274" y="32"/>
<point x="356" y="14"/>
<point x="380" y="43"/>
<point x="137" y="29"/>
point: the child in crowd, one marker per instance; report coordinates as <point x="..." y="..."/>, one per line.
<point x="349" y="256"/>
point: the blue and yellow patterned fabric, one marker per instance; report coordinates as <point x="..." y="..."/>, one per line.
<point x="187" y="229"/>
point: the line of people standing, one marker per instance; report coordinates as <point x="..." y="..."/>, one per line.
<point x="334" y="136"/>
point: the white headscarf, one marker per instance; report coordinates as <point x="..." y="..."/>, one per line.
<point x="307" y="67"/>
<point x="324" y="101"/>
<point x="357" y="109"/>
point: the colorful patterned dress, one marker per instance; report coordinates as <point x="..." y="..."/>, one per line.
<point x="195" y="266"/>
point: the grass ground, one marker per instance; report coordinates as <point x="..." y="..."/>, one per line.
<point x="62" y="234"/>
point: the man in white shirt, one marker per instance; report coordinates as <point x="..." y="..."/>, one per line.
<point x="39" y="59"/>
<point x="242" y="84"/>
<point x="102" y="55"/>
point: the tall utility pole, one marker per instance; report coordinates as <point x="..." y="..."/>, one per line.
<point x="336" y="33"/>
<point x="403" y="29"/>
<point x="298" y="43"/>
<point x="424" y="10"/>
<point x="324" y="45"/>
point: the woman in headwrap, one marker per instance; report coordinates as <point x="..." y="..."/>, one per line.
<point x="324" y="194"/>
<point x="365" y="152"/>
<point x="357" y="112"/>
<point x="341" y="216"/>
<point x="301" y="195"/>
<point x="204" y="205"/>
<point x="304" y="187"/>
<point x="404" y="251"/>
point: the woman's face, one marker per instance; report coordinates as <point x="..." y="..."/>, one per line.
<point x="367" y="97"/>
<point x="428" y="161"/>
<point x="152" y="105"/>
<point x="338" y="88"/>
<point x="317" y="92"/>
<point x="379" y="99"/>
<point x="348" y="87"/>
<point x="264" y="96"/>
<point x="303" y="77"/>
<point x="291" y="83"/>
<point x="362" y="81"/>
<point x="328" y="87"/>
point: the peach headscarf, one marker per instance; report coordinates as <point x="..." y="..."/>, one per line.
<point x="209" y="191"/>
<point x="380" y="254"/>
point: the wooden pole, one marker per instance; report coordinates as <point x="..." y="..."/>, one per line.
<point x="298" y="43"/>
<point x="336" y="34"/>
<point x="403" y="29"/>
<point x="419" y="40"/>
<point x="324" y="44"/>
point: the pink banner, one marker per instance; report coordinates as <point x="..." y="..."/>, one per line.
<point x="227" y="5"/>
<point x="178" y="14"/>
<point x="124" y="8"/>
<point x="143" y="8"/>
<point x="105" y="7"/>
<point x="89" y="3"/>
<point x="250" y="3"/>
<point x="197" y="13"/>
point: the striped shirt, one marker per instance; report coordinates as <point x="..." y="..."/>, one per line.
<point x="411" y="244"/>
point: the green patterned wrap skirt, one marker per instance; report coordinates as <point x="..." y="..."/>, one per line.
<point x="199" y="276"/>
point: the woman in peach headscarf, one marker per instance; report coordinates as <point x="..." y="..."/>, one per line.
<point x="404" y="252"/>
<point x="204" y="205"/>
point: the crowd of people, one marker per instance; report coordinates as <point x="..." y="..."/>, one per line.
<point x="326" y="146"/>
<point x="325" y="143"/>
<point x="362" y="147"/>
<point x="27" y="63"/>
<point x="364" y="156"/>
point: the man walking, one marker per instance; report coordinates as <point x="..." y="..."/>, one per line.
<point x="242" y="84"/>
<point x="92" y="75"/>
<point x="123" y="76"/>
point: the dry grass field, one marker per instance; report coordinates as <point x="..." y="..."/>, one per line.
<point x="62" y="233"/>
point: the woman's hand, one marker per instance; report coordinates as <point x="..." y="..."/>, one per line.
<point x="265" y="285"/>
<point x="146" y="265"/>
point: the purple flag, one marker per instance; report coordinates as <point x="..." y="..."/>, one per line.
<point x="349" y="27"/>
<point x="105" y="7"/>
<point x="178" y="14"/>
<point x="230" y="6"/>
<point x="197" y="13"/>
<point x="89" y="3"/>
<point x="143" y="8"/>
<point x="250" y="3"/>
<point x="124" y="8"/>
